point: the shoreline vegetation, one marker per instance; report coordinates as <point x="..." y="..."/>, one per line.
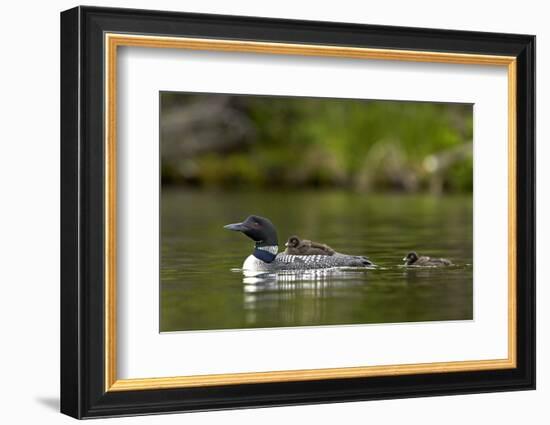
<point x="255" y="142"/>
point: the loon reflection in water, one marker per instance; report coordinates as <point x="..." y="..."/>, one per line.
<point x="315" y="276"/>
<point x="311" y="288"/>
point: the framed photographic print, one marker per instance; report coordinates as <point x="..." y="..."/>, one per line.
<point x="261" y="212"/>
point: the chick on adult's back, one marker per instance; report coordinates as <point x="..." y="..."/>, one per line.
<point x="297" y="246"/>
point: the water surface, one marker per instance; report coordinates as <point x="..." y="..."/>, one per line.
<point x="202" y="287"/>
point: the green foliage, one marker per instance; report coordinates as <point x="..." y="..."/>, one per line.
<point x="363" y="145"/>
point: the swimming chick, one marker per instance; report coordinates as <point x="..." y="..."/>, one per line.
<point x="266" y="257"/>
<point x="412" y="259"/>
<point x="297" y="246"/>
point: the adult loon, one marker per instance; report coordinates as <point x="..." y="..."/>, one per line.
<point x="266" y="256"/>
<point x="297" y="246"/>
<point x="412" y="259"/>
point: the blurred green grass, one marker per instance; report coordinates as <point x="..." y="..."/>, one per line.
<point x="258" y="141"/>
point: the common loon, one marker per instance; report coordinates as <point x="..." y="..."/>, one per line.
<point x="297" y="246"/>
<point x="266" y="256"/>
<point x="412" y="259"/>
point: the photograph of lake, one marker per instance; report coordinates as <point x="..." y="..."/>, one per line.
<point x="299" y="211"/>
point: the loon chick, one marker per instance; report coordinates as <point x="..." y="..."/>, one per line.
<point x="297" y="246"/>
<point x="266" y="256"/>
<point x="412" y="259"/>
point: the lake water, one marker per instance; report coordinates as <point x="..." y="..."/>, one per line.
<point x="202" y="287"/>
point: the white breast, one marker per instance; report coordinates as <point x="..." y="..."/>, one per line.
<point x="252" y="263"/>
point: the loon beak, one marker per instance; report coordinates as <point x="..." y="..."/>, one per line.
<point x="237" y="227"/>
<point x="286" y="244"/>
<point x="404" y="258"/>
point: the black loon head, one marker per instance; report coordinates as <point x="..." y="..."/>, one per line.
<point x="411" y="258"/>
<point x="259" y="229"/>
